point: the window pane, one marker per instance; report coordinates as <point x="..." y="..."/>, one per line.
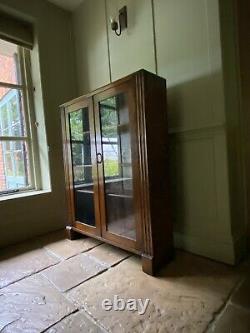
<point x="9" y="63"/>
<point x="79" y="124"/>
<point x="118" y="175"/>
<point x="109" y="121"/>
<point x="111" y="158"/>
<point x="82" y="166"/>
<point x="4" y="120"/>
<point x="14" y="166"/>
<point x="11" y="114"/>
<point x="81" y="146"/>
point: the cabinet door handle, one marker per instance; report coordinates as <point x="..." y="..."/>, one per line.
<point x="99" y="158"/>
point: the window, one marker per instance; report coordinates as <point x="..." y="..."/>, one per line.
<point x="17" y="160"/>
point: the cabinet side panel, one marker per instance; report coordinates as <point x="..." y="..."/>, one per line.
<point x="158" y="178"/>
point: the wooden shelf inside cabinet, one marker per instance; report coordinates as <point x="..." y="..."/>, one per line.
<point x="129" y="210"/>
<point x="120" y="128"/>
<point x="85" y="191"/>
<point x="83" y="185"/>
<point x="125" y="164"/>
<point x="125" y="196"/>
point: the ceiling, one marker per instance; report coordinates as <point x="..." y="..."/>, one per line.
<point x="67" y="4"/>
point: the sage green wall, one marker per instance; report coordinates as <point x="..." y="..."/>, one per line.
<point x="237" y="124"/>
<point x="189" y="56"/>
<point x="181" y="41"/>
<point x="243" y="34"/>
<point x="53" y="69"/>
<point x="134" y="49"/>
<point x="91" y="53"/>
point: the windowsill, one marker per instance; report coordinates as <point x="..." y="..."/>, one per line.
<point x="23" y="194"/>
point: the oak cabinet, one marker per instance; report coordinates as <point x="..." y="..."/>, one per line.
<point x="116" y="167"/>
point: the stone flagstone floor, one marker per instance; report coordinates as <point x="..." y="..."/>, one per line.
<point x="55" y="285"/>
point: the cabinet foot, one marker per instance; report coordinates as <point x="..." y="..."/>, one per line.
<point x="152" y="265"/>
<point x="148" y="265"/>
<point x="72" y="234"/>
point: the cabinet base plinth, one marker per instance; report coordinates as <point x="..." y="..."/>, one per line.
<point x="151" y="265"/>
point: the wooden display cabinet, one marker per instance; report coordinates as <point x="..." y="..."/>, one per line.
<point x="116" y="167"/>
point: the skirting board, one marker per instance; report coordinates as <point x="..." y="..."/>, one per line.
<point x="226" y="252"/>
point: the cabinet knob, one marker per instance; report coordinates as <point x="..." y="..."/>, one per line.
<point x="99" y="158"/>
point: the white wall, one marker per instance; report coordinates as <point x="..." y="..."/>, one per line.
<point x="53" y="69"/>
<point x="181" y="41"/>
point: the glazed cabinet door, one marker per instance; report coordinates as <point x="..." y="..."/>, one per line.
<point x="115" y="118"/>
<point x="82" y="167"/>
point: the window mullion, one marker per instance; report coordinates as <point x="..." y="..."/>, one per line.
<point x="14" y="138"/>
<point x="11" y="85"/>
<point x="27" y="116"/>
<point x="32" y="118"/>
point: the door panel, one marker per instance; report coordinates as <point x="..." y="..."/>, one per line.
<point x="82" y="151"/>
<point x="114" y="114"/>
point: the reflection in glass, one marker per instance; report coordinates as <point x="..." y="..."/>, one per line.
<point x="82" y="166"/>
<point x="116" y="147"/>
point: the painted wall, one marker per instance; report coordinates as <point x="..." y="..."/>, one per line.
<point x="181" y="41"/>
<point x="243" y="34"/>
<point x="54" y="81"/>
<point x="235" y="124"/>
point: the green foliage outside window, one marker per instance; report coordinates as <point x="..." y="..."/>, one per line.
<point x="111" y="168"/>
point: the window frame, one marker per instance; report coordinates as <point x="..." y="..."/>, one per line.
<point x="27" y="90"/>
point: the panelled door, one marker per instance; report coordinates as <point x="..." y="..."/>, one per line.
<point x="115" y="121"/>
<point x="81" y="150"/>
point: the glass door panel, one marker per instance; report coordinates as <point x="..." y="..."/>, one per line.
<point x="118" y="175"/>
<point x="80" y="141"/>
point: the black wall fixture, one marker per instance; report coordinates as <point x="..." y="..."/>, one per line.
<point x="122" y="23"/>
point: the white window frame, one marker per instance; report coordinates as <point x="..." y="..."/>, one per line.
<point x="27" y="89"/>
